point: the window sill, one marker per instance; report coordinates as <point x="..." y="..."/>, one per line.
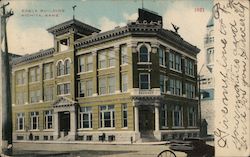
<point x="110" y="128"/>
<point x="20" y="131"/>
<point x="100" y="69"/>
<point x="20" y="85"/>
<point x="35" y="130"/>
<point x="124" y="128"/>
<point x="48" y="130"/>
<point x="125" y="64"/>
<point x="144" y="63"/>
<point x="163" y="66"/>
<point x="190" y="75"/>
<point x="178" y="127"/>
<point x="164" y="127"/>
<point x="192" y="127"/>
<point x="85" y="129"/>
<point x="62" y="75"/>
<point x="50" y="79"/>
<point x="84" y="72"/>
<point x="179" y="71"/>
<point x="35" y="82"/>
<point x="61" y="95"/>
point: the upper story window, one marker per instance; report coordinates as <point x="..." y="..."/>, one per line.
<point x="20" y="97"/>
<point x="175" y="86"/>
<point x="162" y="56"/>
<point x="35" y="96"/>
<point x="63" y="89"/>
<point x="20" y="77"/>
<point x="48" y="93"/>
<point x="189" y="67"/>
<point x="111" y="58"/>
<point x="190" y="90"/>
<point x="107" y="85"/>
<point x="124" y="82"/>
<point x="48" y="71"/>
<point x="85" y="88"/>
<point x="63" y="44"/>
<point x="34" y="74"/>
<point x="174" y="61"/>
<point x="102" y="60"/>
<point x="163" y="83"/>
<point x="60" y="68"/>
<point x="144" y="54"/>
<point x="210" y="55"/>
<point x="144" y="81"/>
<point x="191" y="116"/>
<point x="81" y="64"/>
<point x="124" y="54"/>
<point x="67" y="66"/>
<point x="89" y="66"/>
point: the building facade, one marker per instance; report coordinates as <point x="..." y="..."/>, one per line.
<point x="129" y="83"/>
<point x="207" y="79"/>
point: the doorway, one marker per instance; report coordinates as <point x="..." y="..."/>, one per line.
<point x="146" y="119"/>
<point x="64" y="118"/>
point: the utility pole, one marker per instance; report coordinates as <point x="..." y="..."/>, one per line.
<point x="6" y="87"/>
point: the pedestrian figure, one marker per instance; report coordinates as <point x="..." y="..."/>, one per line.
<point x="31" y="136"/>
<point x="103" y="137"/>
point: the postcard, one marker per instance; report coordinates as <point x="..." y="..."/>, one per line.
<point x="117" y="78"/>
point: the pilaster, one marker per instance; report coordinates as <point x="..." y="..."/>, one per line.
<point x="117" y="69"/>
<point x="95" y="74"/>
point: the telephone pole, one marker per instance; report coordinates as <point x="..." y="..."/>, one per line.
<point x="6" y="87"/>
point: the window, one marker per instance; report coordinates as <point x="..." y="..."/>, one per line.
<point x="177" y="116"/>
<point x="144" y="55"/>
<point x="20" y="121"/>
<point x="124" y="115"/>
<point x="177" y="62"/>
<point x="144" y="81"/>
<point x="81" y="87"/>
<point x="20" y="77"/>
<point x="164" y="112"/>
<point x="191" y="116"/>
<point x="48" y="120"/>
<point x="85" y="116"/>
<point x="162" y="58"/>
<point x="111" y="84"/>
<point x="60" y="68"/>
<point x="81" y="63"/>
<point x="67" y="66"/>
<point x="89" y="88"/>
<point x="48" y="93"/>
<point x="163" y="84"/>
<point x="102" y="86"/>
<point x="63" y="89"/>
<point x="102" y="59"/>
<point x="89" y="62"/>
<point x="20" y="97"/>
<point x="174" y="61"/>
<point x="34" y="74"/>
<point x="111" y="58"/>
<point x="124" y="82"/>
<point x="210" y="55"/>
<point x="190" y="90"/>
<point x="107" y="116"/>
<point x="175" y="86"/>
<point x="48" y="71"/>
<point x="63" y="44"/>
<point x="34" y="119"/>
<point x="189" y="67"/>
<point x="124" y="54"/>
<point x="34" y="96"/>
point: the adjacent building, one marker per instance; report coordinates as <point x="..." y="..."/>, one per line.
<point x="125" y="84"/>
<point x="207" y="79"/>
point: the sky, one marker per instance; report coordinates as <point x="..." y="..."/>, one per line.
<point x="28" y="34"/>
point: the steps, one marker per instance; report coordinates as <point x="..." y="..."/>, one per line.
<point x="147" y="136"/>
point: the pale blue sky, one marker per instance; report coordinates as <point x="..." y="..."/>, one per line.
<point x="29" y="35"/>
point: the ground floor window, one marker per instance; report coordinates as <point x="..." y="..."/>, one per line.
<point x="85" y="116"/>
<point x="20" y="121"/>
<point x="124" y="115"/>
<point x="48" y="120"/>
<point x="177" y="116"/>
<point x="107" y="116"/>
<point x="191" y="116"/>
<point x="164" y="115"/>
<point x="34" y="119"/>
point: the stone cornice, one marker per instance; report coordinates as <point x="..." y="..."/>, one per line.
<point x="33" y="57"/>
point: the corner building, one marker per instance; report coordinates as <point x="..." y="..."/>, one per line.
<point x="137" y="82"/>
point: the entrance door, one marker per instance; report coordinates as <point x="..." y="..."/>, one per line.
<point x="64" y="121"/>
<point x="146" y="118"/>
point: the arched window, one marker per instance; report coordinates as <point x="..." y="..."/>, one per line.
<point x="60" y="69"/>
<point x="67" y="67"/>
<point x="144" y="56"/>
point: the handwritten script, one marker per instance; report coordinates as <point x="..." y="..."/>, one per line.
<point x="232" y="130"/>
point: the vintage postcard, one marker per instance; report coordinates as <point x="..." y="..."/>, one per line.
<point x="118" y="78"/>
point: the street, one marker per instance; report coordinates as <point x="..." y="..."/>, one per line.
<point x="88" y="150"/>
